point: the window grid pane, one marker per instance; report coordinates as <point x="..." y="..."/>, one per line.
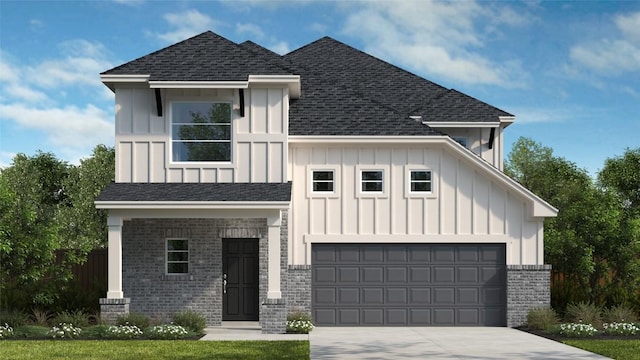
<point x="323" y="181"/>
<point x="372" y="181"/>
<point x="177" y="256"/>
<point x="420" y="181"/>
<point x="201" y="131"/>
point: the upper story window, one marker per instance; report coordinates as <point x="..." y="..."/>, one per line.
<point x="177" y="256"/>
<point x="323" y="181"/>
<point x="201" y="131"/>
<point x="420" y="181"/>
<point x="460" y="140"/>
<point x="372" y="181"/>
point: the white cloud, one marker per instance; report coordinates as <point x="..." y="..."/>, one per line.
<point x="69" y="127"/>
<point x="250" y="29"/>
<point x="185" y="25"/>
<point x="612" y="56"/>
<point x="437" y="38"/>
<point x="280" y="47"/>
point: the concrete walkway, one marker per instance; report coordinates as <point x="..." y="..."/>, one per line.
<point x="437" y="343"/>
<point x="245" y="330"/>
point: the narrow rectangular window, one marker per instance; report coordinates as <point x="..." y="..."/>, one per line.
<point x="323" y="181"/>
<point x="420" y="181"/>
<point x="201" y="131"/>
<point x="177" y="256"/>
<point x="372" y="181"/>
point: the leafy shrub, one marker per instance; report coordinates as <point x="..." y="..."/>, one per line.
<point x="191" y="320"/>
<point x="625" y="329"/>
<point x="95" y="332"/>
<point x="577" y="330"/>
<point x="542" y="318"/>
<point x="586" y="313"/>
<point x="299" y="323"/>
<point x="167" y="332"/>
<point x="133" y="319"/>
<point x="31" y="332"/>
<point x="123" y="332"/>
<point x="14" y="318"/>
<point x="6" y="331"/>
<point x="76" y="318"/>
<point x="41" y="317"/>
<point x="619" y="314"/>
<point x="65" y="331"/>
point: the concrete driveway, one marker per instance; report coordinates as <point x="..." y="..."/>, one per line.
<point x="437" y="343"/>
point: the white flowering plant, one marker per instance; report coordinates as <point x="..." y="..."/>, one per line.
<point x="6" y="331"/>
<point x="64" y="331"/>
<point x="577" y="330"/>
<point x="625" y="329"/>
<point x="299" y="323"/>
<point x="167" y="332"/>
<point x="123" y="332"/>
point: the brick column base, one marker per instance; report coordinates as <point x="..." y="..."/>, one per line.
<point x="110" y="309"/>
<point x="273" y="318"/>
<point x="528" y="287"/>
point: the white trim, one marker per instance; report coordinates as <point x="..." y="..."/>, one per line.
<point x="292" y="82"/>
<point x="407" y="183"/>
<point x="187" y="205"/>
<point x="462" y="124"/>
<point x="385" y="181"/>
<point x="198" y="84"/>
<point x="124" y="78"/>
<point x="323" y="194"/>
<point x="365" y="139"/>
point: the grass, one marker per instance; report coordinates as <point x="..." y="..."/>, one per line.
<point x="615" y="349"/>
<point x="149" y="349"/>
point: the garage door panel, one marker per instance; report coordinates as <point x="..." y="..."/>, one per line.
<point x="373" y="274"/>
<point x="409" y="284"/>
<point x="349" y="274"/>
<point x="324" y="274"/>
<point x="373" y="317"/>
<point x="396" y="296"/>
<point x="372" y="296"/>
<point x="419" y="296"/>
<point x="348" y="296"/>
<point x="443" y="274"/>
<point x="396" y="275"/>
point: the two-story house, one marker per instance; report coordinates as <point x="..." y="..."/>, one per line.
<point x="250" y="185"/>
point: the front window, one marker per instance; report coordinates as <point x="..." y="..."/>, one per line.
<point x="177" y="256"/>
<point x="201" y="131"/>
<point x="323" y="181"/>
<point x="420" y="181"/>
<point x="372" y="181"/>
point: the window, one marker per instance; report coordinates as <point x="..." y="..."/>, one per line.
<point x="323" y="181"/>
<point x="201" y="131"/>
<point x="372" y="181"/>
<point x="177" y="256"/>
<point x="460" y="140"/>
<point x="420" y="181"/>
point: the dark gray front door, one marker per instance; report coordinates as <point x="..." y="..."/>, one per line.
<point x="409" y="284"/>
<point x="240" y="279"/>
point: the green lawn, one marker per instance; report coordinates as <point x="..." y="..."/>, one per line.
<point x="149" y="349"/>
<point x="615" y="349"/>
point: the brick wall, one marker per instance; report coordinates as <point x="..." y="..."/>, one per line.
<point x="158" y="295"/>
<point x="528" y="287"/>
<point x="299" y="294"/>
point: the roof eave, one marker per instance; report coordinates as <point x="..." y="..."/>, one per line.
<point x="200" y="205"/>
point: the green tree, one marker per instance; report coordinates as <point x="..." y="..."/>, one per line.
<point x="31" y="190"/>
<point x="622" y="175"/>
<point x="588" y="240"/>
<point x="83" y="227"/>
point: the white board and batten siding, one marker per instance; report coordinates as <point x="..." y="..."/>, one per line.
<point x="465" y="206"/>
<point x="259" y="139"/>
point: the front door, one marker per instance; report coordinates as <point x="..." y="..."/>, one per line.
<point x="240" y="279"/>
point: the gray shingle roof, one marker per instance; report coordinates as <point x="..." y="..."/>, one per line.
<point x="250" y="192"/>
<point x="344" y="90"/>
<point x="204" y="57"/>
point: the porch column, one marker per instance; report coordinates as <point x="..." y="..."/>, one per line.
<point x="273" y="291"/>
<point x="114" y="289"/>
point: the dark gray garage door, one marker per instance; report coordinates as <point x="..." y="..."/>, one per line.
<point x="409" y="284"/>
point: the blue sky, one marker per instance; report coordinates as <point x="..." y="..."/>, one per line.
<point x="569" y="71"/>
